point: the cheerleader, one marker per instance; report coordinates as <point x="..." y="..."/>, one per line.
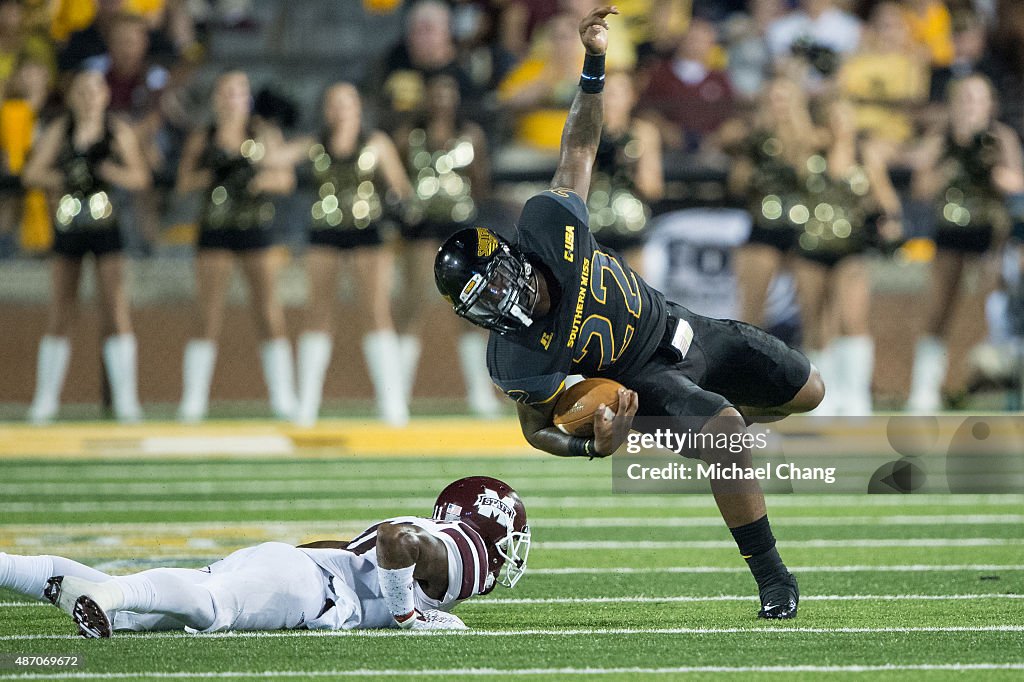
<point x="447" y="160"/>
<point x="627" y="174"/>
<point x="966" y="172"/>
<point x="851" y="202"/>
<point x="357" y="173"/>
<point x="236" y="165"/>
<point x="771" y="171"/>
<point x="82" y="159"/>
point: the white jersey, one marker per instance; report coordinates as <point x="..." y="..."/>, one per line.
<point x="355" y="587"/>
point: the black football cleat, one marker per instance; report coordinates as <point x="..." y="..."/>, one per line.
<point x="52" y="590"/>
<point x="779" y="600"/>
<point x="91" y="620"/>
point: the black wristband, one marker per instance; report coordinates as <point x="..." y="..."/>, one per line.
<point x="581" y="447"/>
<point x="592" y="80"/>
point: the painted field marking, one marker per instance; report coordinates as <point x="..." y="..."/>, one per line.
<point x="848" y="568"/>
<point x="664" y="503"/>
<point x="791" y="544"/>
<point x="518" y="672"/>
<point x="676" y="599"/>
<point x="575" y="632"/>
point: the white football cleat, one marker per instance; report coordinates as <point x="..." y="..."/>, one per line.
<point x="438" y="620"/>
<point x="82" y="600"/>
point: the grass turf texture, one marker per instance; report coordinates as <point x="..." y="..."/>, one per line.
<point x="661" y="617"/>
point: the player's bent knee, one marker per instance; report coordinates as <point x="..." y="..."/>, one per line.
<point x="811" y="393"/>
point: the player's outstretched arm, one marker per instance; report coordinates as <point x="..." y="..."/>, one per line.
<point x="582" y="131"/>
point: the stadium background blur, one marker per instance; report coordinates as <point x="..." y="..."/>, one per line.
<point x="512" y="76"/>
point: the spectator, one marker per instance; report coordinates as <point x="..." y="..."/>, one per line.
<point x="885" y="79"/>
<point x="818" y="22"/>
<point x="931" y="28"/>
<point x="428" y="49"/>
<point x="18" y="44"/>
<point x="749" y="56"/>
<point x="542" y="87"/>
<point x="135" y="85"/>
<point x="92" y="40"/>
<point x="684" y="97"/>
<point x="481" y="54"/>
<point x="970" y="55"/>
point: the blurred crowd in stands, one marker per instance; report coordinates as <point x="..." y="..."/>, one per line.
<point x="825" y="119"/>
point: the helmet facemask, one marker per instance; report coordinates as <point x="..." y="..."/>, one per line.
<point x="503" y="297"/>
<point x="514" y="549"/>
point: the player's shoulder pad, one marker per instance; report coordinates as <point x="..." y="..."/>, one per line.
<point x="538" y="390"/>
<point x="568" y="199"/>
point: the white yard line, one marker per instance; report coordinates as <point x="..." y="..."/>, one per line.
<point x="517" y="672"/>
<point x="664" y="503"/>
<point x="185" y="527"/>
<point x="551" y="632"/>
<point x="577" y="545"/>
<point x="848" y="568"/>
<point x="677" y="599"/>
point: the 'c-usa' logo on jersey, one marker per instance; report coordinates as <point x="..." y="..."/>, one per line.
<point x="570" y="243"/>
<point x="501" y="509"/>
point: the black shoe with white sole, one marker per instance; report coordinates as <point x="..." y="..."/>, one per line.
<point x="779" y="600"/>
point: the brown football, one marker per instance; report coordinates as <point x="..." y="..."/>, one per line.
<point x="575" y="408"/>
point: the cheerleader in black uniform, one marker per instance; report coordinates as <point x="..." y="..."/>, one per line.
<point x="966" y="171"/>
<point x="628" y="173"/>
<point x="771" y="172"/>
<point x="356" y="174"/>
<point x="81" y="159"/>
<point x="236" y="163"/>
<point x="446" y="158"/>
<point x="851" y="203"/>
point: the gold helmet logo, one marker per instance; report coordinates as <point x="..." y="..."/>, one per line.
<point x="486" y="242"/>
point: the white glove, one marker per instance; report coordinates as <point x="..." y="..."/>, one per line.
<point x="438" y="620"/>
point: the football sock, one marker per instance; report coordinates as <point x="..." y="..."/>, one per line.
<point x="279" y="374"/>
<point x="757" y="546"/>
<point x="314" y="356"/>
<point x="479" y="389"/>
<point x="381" y="348"/>
<point x="409" y="355"/>
<point x="28" y="574"/>
<point x="120" y="357"/>
<point x="855" y="363"/>
<point x="51" y="368"/>
<point x="197" y="370"/>
<point x="928" y="374"/>
<point x="176" y="592"/>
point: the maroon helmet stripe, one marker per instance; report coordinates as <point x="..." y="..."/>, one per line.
<point x="481" y="551"/>
<point x="468" y="562"/>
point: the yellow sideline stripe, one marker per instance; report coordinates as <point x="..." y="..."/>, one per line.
<point x="456" y="437"/>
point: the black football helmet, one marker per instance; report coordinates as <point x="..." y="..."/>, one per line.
<point x="486" y="279"/>
<point x="496" y="511"/>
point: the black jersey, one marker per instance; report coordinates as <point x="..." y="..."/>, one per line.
<point x="604" y="319"/>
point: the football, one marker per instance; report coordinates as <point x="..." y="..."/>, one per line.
<point x="575" y="408"/>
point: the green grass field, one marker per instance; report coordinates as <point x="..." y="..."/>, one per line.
<point x="619" y="587"/>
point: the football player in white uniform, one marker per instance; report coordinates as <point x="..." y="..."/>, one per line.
<point x="406" y="572"/>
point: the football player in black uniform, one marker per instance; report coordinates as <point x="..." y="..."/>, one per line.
<point x="558" y="303"/>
